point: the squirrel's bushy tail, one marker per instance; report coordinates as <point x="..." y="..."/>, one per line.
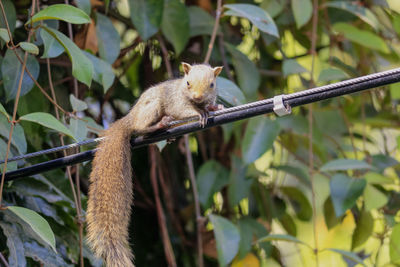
<point x="110" y="197"/>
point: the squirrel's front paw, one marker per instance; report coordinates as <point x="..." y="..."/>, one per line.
<point x="203" y="117"/>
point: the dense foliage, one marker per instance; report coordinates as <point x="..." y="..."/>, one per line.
<point x="318" y="187"/>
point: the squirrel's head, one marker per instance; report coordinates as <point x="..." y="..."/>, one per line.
<point x="200" y="81"/>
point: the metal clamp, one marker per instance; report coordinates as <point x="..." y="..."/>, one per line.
<point x="279" y="107"/>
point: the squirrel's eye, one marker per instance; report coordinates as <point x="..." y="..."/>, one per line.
<point x="211" y="85"/>
<point x="188" y="83"/>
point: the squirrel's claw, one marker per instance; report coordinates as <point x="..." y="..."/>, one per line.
<point x="215" y="107"/>
<point x="203" y="117"/>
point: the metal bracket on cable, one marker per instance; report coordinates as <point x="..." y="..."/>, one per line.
<point x="279" y="107"/>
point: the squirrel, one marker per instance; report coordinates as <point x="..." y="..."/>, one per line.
<point x="110" y="191"/>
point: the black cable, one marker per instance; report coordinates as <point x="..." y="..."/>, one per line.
<point x="292" y="100"/>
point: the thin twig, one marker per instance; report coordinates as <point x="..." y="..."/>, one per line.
<point x="74" y="192"/>
<point x="13" y="121"/>
<point x="214" y="32"/>
<point x="1" y="255"/>
<point x="223" y="56"/>
<point x="165" y="55"/>
<point x="348" y="125"/>
<point x="199" y="218"/>
<point x="310" y="134"/>
<point x="169" y="253"/>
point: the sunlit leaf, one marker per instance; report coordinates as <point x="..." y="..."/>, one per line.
<point x="279" y="237"/>
<point x="345" y="164"/>
<point x="259" y="17"/>
<point x="227" y="236"/>
<point x="82" y="68"/>
<point x="63" y="12"/>
<point x="394" y="245"/>
<point x="48" y="121"/>
<point x="374" y="198"/>
<point x="39" y="225"/>
<point x="249" y="260"/>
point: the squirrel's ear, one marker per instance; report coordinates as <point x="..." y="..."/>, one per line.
<point x="186" y="67"/>
<point x="217" y="71"/>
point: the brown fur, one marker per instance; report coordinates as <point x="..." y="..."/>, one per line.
<point x="110" y="192"/>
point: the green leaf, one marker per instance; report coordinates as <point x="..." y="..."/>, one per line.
<point x="239" y="185"/>
<point x="299" y="201"/>
<point x="345" y="191"/>
<point x="246" y="236"/>
<point x="349" y="255"/>
<point x="229" y="92"/>
<point x="85" y="5"/>
<point x="356" y="9"/>
<point x="395" y="91"/>
<point x="3" y="111"/>
<point x="394" y="245"/>
<point x="62" y="12"/>
<point x="258" y="16"/>
<point x="279" y="237"/>
<point x="52" y="48"/>
<point x="48" y="121"/>
<point x="246" y="71"/>
<point x="11" y="15"/>
<point x="29" y="47"/>
<point x="39" y="225"/>
<point x="374" y="198"/>
<point x="344" y="165"/>
<point x="18" y="137"/>
<point x="78" y="128"/>
<point x="146" y="15"/>
<point x="297" y="172"/>
<point x="302" y="11"/>
<point x="200" y="22"/>
<point x="77" y="104"/>
<point x="377" y="178"/>
<point x="362" y="37"/>
<point x="259" y="137"/>
<point x="82" y="68"/>
<point x="290" y="66"/>
<point x="331" y="74"/>
<point x="227" y="236"/>
<point x="103" y="73"/>
<point x="3" y="149"/>
<point x="4" y="35"/>
<point x="11" y="69"/>
<point x="329" y="214"/>
<point x="108" y="39"/>
<point x="175" y="24"/>
<point x="364" y="227"/>
<point x="14" y="243"/>
<point x="211" y="178"/>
